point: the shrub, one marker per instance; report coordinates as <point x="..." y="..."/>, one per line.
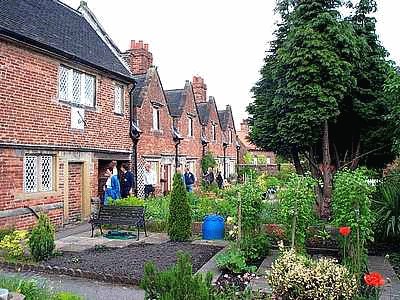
<point x="5" y="231"/>
<point x="29" y="288"/>
<point x="179" y="221"/>
<point x="177" y="282"/>
<point x="254" y="248"/>
<point x="351" y="206"/>
<point x="129" y="201"/>
<point x="208" y="161"/>
<point x="41" y="240"/>
<point x="387" y="207"/>
<point x="66" y="296"/>
<point x="295" y="276"/>
<point x="13" y="244"/>
<point x="297" y="212"/>
<point x="233" y="260"/>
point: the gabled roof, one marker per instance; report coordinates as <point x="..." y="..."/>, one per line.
<point x="141" y="81"/>
<point x="203" y="109"/>
<point x="223" y="119"/>
<point x="55" y="27"/>
<point x="176" y="101"/>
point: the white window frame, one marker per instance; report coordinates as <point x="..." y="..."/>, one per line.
<point x="38" y="173"/>
<point x="156" y="119"/>
<point x="155" y="166"/>
<point x="214" y="132"/>
<point x="85" y="80"/>
<point x="119" y="99"/>
<point x="190" y="127"/>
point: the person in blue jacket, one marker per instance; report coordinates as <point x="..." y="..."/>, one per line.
<point x="112" y="188"/>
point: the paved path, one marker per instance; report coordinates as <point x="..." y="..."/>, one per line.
<point x="260" y="283"/>
<point x="89" y="289"/>
<point x="391" y="290"/>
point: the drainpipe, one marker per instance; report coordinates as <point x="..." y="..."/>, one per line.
<point x="224" y="145"/>
<point x="135" y="135"/>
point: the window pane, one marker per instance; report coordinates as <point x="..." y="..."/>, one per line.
<point x="118" y="104"/>
<point x="76" y="87"/>
<point x="63" y="84"/>
<point x="30" y="174"/>
<point x="154" y="118"/>
<point x="46" y="172"/>
<point x="89" y="90"/>
<point x="158" y="119"/>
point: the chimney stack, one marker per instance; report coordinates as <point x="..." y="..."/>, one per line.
<point x="138" y="57"/>
<point x="244" y="126"/>
<point x="199" y="89"/>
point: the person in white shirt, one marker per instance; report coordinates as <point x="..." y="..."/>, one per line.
<point x="149" y="180"/>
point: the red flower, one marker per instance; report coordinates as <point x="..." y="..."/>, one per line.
<point x="374" y="279"/>
<point x="344" y="231"/>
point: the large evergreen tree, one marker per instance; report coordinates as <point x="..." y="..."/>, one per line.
<point x="320" y="92"/>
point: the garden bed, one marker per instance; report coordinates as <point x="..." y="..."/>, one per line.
<point x="128" y="262"/>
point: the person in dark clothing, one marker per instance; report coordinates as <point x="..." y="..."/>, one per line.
<point x="209" y="176"/>
<point x="126" y="180"/>
<point x="189" y="180"/>
<point x="219" y="180"/>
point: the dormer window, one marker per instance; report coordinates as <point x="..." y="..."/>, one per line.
<point x="190" y="126"/>
<point x="156" y="118"/>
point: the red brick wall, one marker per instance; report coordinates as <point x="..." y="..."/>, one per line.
<point x="74" y="192"/>
<point x="11" y="185"/>
<point x="214" y="147"/>
<point x="154" y="142"/>
<point x="32" y="114"/>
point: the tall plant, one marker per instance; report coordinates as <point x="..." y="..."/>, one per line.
<point x="208" y="161"/>
<point x="351" y="206"/>
<point x="180" y="220"/>
<point x="41" y="241"/>
<point x="297" y="213"/>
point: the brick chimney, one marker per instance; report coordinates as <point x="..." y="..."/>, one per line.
<point x="138" y="57"/>
<point x="244" y="126"/>
<point x="199" y="89"/>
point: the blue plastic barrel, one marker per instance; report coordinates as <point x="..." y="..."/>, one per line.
<point x="213" y="227"/>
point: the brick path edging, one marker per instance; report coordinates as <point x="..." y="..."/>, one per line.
<point x="55" y="270"/>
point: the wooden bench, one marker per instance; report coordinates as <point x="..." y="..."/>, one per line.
<point x="120" y="215"/>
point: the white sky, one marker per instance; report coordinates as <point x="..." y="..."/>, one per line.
<point x="221" y="40"/>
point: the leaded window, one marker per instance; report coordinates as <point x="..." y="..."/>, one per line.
<point x="119" y="99"/>
<point x="76" y="87"/>
<point x="38" y="173"/>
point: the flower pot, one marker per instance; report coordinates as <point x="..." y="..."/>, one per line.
<point x="3" y="294"/>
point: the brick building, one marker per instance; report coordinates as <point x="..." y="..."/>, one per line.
<point x="152" y="117"/>
<point x="64" y="93"/>
<point x="260" y="156"/>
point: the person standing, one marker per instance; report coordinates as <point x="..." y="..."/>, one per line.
<point x="112" y="188"/>
<point x="219" y="180"/>
<point x="189" y="180"/>
<point x="209" y="177"/>
<point x="149" y="180"/>
<point x="126" y="180"/>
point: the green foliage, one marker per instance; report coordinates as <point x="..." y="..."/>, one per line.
<point x="13" y="243"/>
<point x="129" y="201"/>
<point x="266" y="181"/>
<point x="254" y="248"/>
<point x="248" y="158"/>
<point x="386" y="206"/>
<point x="157" y="208"/>
<point x="351" y="206"/>
<point x="233" y="259"/>
<point x="392" y="94"/>
<point x="6" y="231"/>
<point x="251" y="197"/>
<point x="295" y="276"/>
<point x="41" y="240"/>
<point x="177" y="282"/>
<point x="208" y="161"/>
<point x="179" y="220"/>
<point x="297" y="213"/>
<point x="66" y="296"/>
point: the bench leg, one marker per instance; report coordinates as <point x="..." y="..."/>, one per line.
<point x="138" y="232"/>
<point x="101" y="230"/>
<point x="92" y="229"/>
<point x="144" y="225"/>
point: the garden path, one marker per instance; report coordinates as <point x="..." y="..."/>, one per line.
<point x="89" y="289"/>
<point x="391" y="289"/>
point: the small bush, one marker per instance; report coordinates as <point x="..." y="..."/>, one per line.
<point x="177" y="282"/>
<point x="13" y="244"/>
<point x="233" y="260"/>
<point x="29" y="288"/>
<point x="66" y="296"/>
<point x="180" y="219"/>
<point x="129" y="201"/>
<point x="295" y="276"/>
<point x="5" y="231"/>
<point x="41" y="240"/>
<point x="254" y="248"/>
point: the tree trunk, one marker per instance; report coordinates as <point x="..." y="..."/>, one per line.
<point x="325" y="207"/>
<point x="296" y="161"/>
